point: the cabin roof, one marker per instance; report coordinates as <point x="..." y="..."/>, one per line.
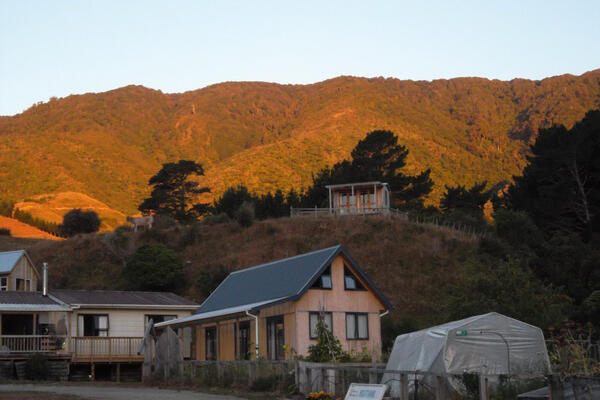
<point x="356" y="184"/>
<point x="278" y="281"/>
<point x="8" y="260"/>
<point x="116" y="298"/>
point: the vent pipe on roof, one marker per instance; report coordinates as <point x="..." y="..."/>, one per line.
<point x="45" y="280"/>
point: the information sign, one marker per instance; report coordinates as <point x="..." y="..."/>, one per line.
<point x="365" y="391"/>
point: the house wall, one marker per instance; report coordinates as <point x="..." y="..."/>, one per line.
<point x="357" y="191"/>
<point x="339" y="302"/>
<point x="122" y="322"/>
<point x="22" y="270"/>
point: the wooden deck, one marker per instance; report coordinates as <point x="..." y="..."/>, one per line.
<point x="87" y="349"/>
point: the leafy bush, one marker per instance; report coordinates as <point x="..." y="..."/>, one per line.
<point x="154" y="267"/>
<point x="328" y="347"/>
<point x="4" y="232"/>
<point x="6" y="208"/>
<point x="245" y="215"/>
<point x="79" y="221"/>
<point x="36" y="368"/>
<point x="221" y="218"/>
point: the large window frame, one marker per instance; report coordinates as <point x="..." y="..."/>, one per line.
<point x="352" y="329"/>
<point x="97" y="331"/>
<point x="324" y="315"/>
<point x="275" y="338"/>
<point x="211" y="345"/>
<point x="243" y="348"/>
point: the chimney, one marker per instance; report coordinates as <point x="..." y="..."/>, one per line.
<point x="45" y="280"/>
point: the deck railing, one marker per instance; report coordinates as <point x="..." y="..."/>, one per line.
<point x="86" y="347"/>
<point x="334" y="212"/>
<point x="31" y="343"/>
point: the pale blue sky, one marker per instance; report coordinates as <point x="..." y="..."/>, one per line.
<point x="57" y="48"/>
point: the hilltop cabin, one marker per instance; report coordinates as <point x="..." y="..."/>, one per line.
<point x="279" y="304"/>
<point x="78" y="326"/>
<point x="363" y="198"/>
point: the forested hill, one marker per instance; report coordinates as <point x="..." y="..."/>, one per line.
<point x="270" y="136"/>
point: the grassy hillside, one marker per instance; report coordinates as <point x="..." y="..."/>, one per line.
<point x="270" y="136"/>
<point x="412" y="264"/>
<point x="53" y="207"/>
<point x="19" y="229"/>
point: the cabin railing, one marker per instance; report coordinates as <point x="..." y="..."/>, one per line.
<point x="86" y="347"/>
<point x="340" y="211"/>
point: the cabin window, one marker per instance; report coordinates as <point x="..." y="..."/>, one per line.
<point x="158" y="318"/>
<point x="210" y="340"/>
<point x="28" y="285"/>
<point x="93" y="324"/>
<point x="343" y="199"/>
<point x="364" y="198"/>
<point x="3" y="284"/>
<point x="313" y="319"/>
<point x="20" y="284"/>
<point x="324" y="281"/>
<point x="357" y="326"/>
<point x="350" y="281"/>
<point x="244" y="341"/>
<point x="275" y="338"/>
<point x="372" y="196"/>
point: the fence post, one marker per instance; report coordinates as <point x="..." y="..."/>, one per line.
<point x="483" y="387"/>
<point x="404" y="386"/>
<point x="441" y="388"/>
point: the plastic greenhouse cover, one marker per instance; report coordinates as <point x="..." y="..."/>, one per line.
<point x="489" y="344"/>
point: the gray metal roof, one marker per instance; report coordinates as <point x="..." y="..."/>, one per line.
<point x="28" y="301"/>
<point x="8" y="259"/>
<point x="279" y="281"/>
<point x="110" y="298"/>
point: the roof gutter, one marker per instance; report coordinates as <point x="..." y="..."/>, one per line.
<point x="138" y="306"/>
<point x="256" y="330"/>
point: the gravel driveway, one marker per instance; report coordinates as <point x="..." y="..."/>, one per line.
<point x="115" y="392"/>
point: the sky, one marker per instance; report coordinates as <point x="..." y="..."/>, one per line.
<point x="57" y="48"/>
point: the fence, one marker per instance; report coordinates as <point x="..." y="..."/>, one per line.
<point x="259" y="375"/>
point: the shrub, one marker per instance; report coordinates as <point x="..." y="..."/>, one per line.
<point x="78" y="221"/>
<point x="4" y="232"/>
<point x="221" y="218"/>
<point x="36" y="368"/>
<point x="245" y="215"/>
<point x="154" y="267"/>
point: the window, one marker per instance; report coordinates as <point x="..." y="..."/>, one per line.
<point x="324" y="281"/>
<point x="350" y="281"/>
<point x="343" y="199"/>
<point x="20" y="284"/>
<point x="93" y="324"/>
<point x="364" y="198"/>
<point x="313" y="319"/>
<point x="28" y="285"/>
<point x="158" y="318"/>
<point x="275" y="338"/>
<point x="3" y="284"/>
<point x="372" y="196"/>
<point x="244" y="341"/>
<point x="210" y="341"/>
<point x="357" y="326"/>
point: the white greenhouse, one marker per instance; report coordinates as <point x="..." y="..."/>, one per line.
<point x="490" y="344"/>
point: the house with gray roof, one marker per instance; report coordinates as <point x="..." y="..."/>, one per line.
<point x="94" y="326"/>
<point x="271" y="310"/>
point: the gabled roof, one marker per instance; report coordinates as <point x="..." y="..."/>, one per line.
<point x="28" y="301"/>
<point x="280" y="281"/>
<point x="8" y="260"/>
<point x="121" y="299"/>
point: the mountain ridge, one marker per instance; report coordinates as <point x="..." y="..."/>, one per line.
<point x="269" y="135"/>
